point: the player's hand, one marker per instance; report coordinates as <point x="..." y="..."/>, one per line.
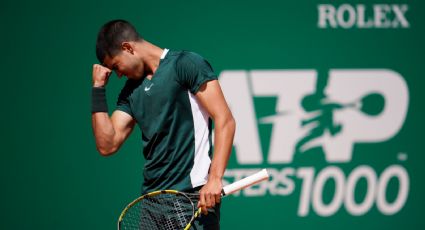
<point x="100" y="75"/>
<point x="210" y="195"/>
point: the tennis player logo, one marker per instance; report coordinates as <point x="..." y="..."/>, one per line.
<point x="321" y="122"/>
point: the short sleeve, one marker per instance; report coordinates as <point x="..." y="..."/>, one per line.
<point x="193" y="71"/>
<point x="123" y="102"/>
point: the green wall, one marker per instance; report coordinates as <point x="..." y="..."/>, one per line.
<point x="53" y="178"/>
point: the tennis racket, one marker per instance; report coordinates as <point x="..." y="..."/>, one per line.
<point x="171" y="209"/>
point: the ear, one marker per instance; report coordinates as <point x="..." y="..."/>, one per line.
<point x="128" y="47"/>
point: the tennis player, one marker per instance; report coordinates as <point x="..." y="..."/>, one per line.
<point x="173" y="96"/>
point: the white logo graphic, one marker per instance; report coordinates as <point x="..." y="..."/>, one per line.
<point x="333" y="112"/>
<point x="345" y="87"/>
<point x="378" y="16"/>
<point x="148" y="88"/>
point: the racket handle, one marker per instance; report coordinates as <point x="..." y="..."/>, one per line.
<point x="246" y="182"/>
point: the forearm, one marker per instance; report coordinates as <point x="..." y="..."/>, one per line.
<point x="224" y="132"/>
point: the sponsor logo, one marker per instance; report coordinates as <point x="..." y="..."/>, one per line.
<point x="362" y="16"/>
<point x="318" y="114"/>
<point x="148" y="88"/>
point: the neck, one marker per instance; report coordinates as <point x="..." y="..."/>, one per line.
<point x="150" y="54"/>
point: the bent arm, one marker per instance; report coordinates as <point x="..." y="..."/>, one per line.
<point x="212" y="99"/>
<point x="111" y="132"/>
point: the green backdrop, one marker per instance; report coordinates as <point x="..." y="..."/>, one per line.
<point x="53" y="178"/>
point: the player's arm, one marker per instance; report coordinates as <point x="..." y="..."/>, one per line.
<point x="109" y="132"/>
<point x="212" y="99"/>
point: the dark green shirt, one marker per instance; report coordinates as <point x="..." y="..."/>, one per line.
<point x="176" y="130"/>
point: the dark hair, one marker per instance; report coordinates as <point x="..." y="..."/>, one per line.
<point x="112" y="35"/>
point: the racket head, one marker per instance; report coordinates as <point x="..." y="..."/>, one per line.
<point x="161" y="210"/>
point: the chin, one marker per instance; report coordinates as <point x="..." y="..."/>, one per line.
<point x="135" y="77"/>
<point x="139" y="76"/>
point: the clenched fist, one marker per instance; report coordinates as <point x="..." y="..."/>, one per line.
<point x="100" y="75"/>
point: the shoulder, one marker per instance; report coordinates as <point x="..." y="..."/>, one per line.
<point x="188" y="59"/>
<point x="189" y="56"/>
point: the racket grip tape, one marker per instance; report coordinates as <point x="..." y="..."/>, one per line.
<point x="246" y="182"/>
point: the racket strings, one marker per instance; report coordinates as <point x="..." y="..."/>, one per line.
<point x="159" y="212"/>
<point x="180" y="212"/>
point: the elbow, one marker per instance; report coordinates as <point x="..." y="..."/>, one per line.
<point x="105" y="152"/>
<point x="225" y="125"/>
<point x="230" y="124"/>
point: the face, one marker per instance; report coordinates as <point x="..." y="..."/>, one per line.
<point x="125" y="63"/>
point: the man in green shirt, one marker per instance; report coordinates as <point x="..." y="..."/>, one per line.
<point x="173" y="96"/>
